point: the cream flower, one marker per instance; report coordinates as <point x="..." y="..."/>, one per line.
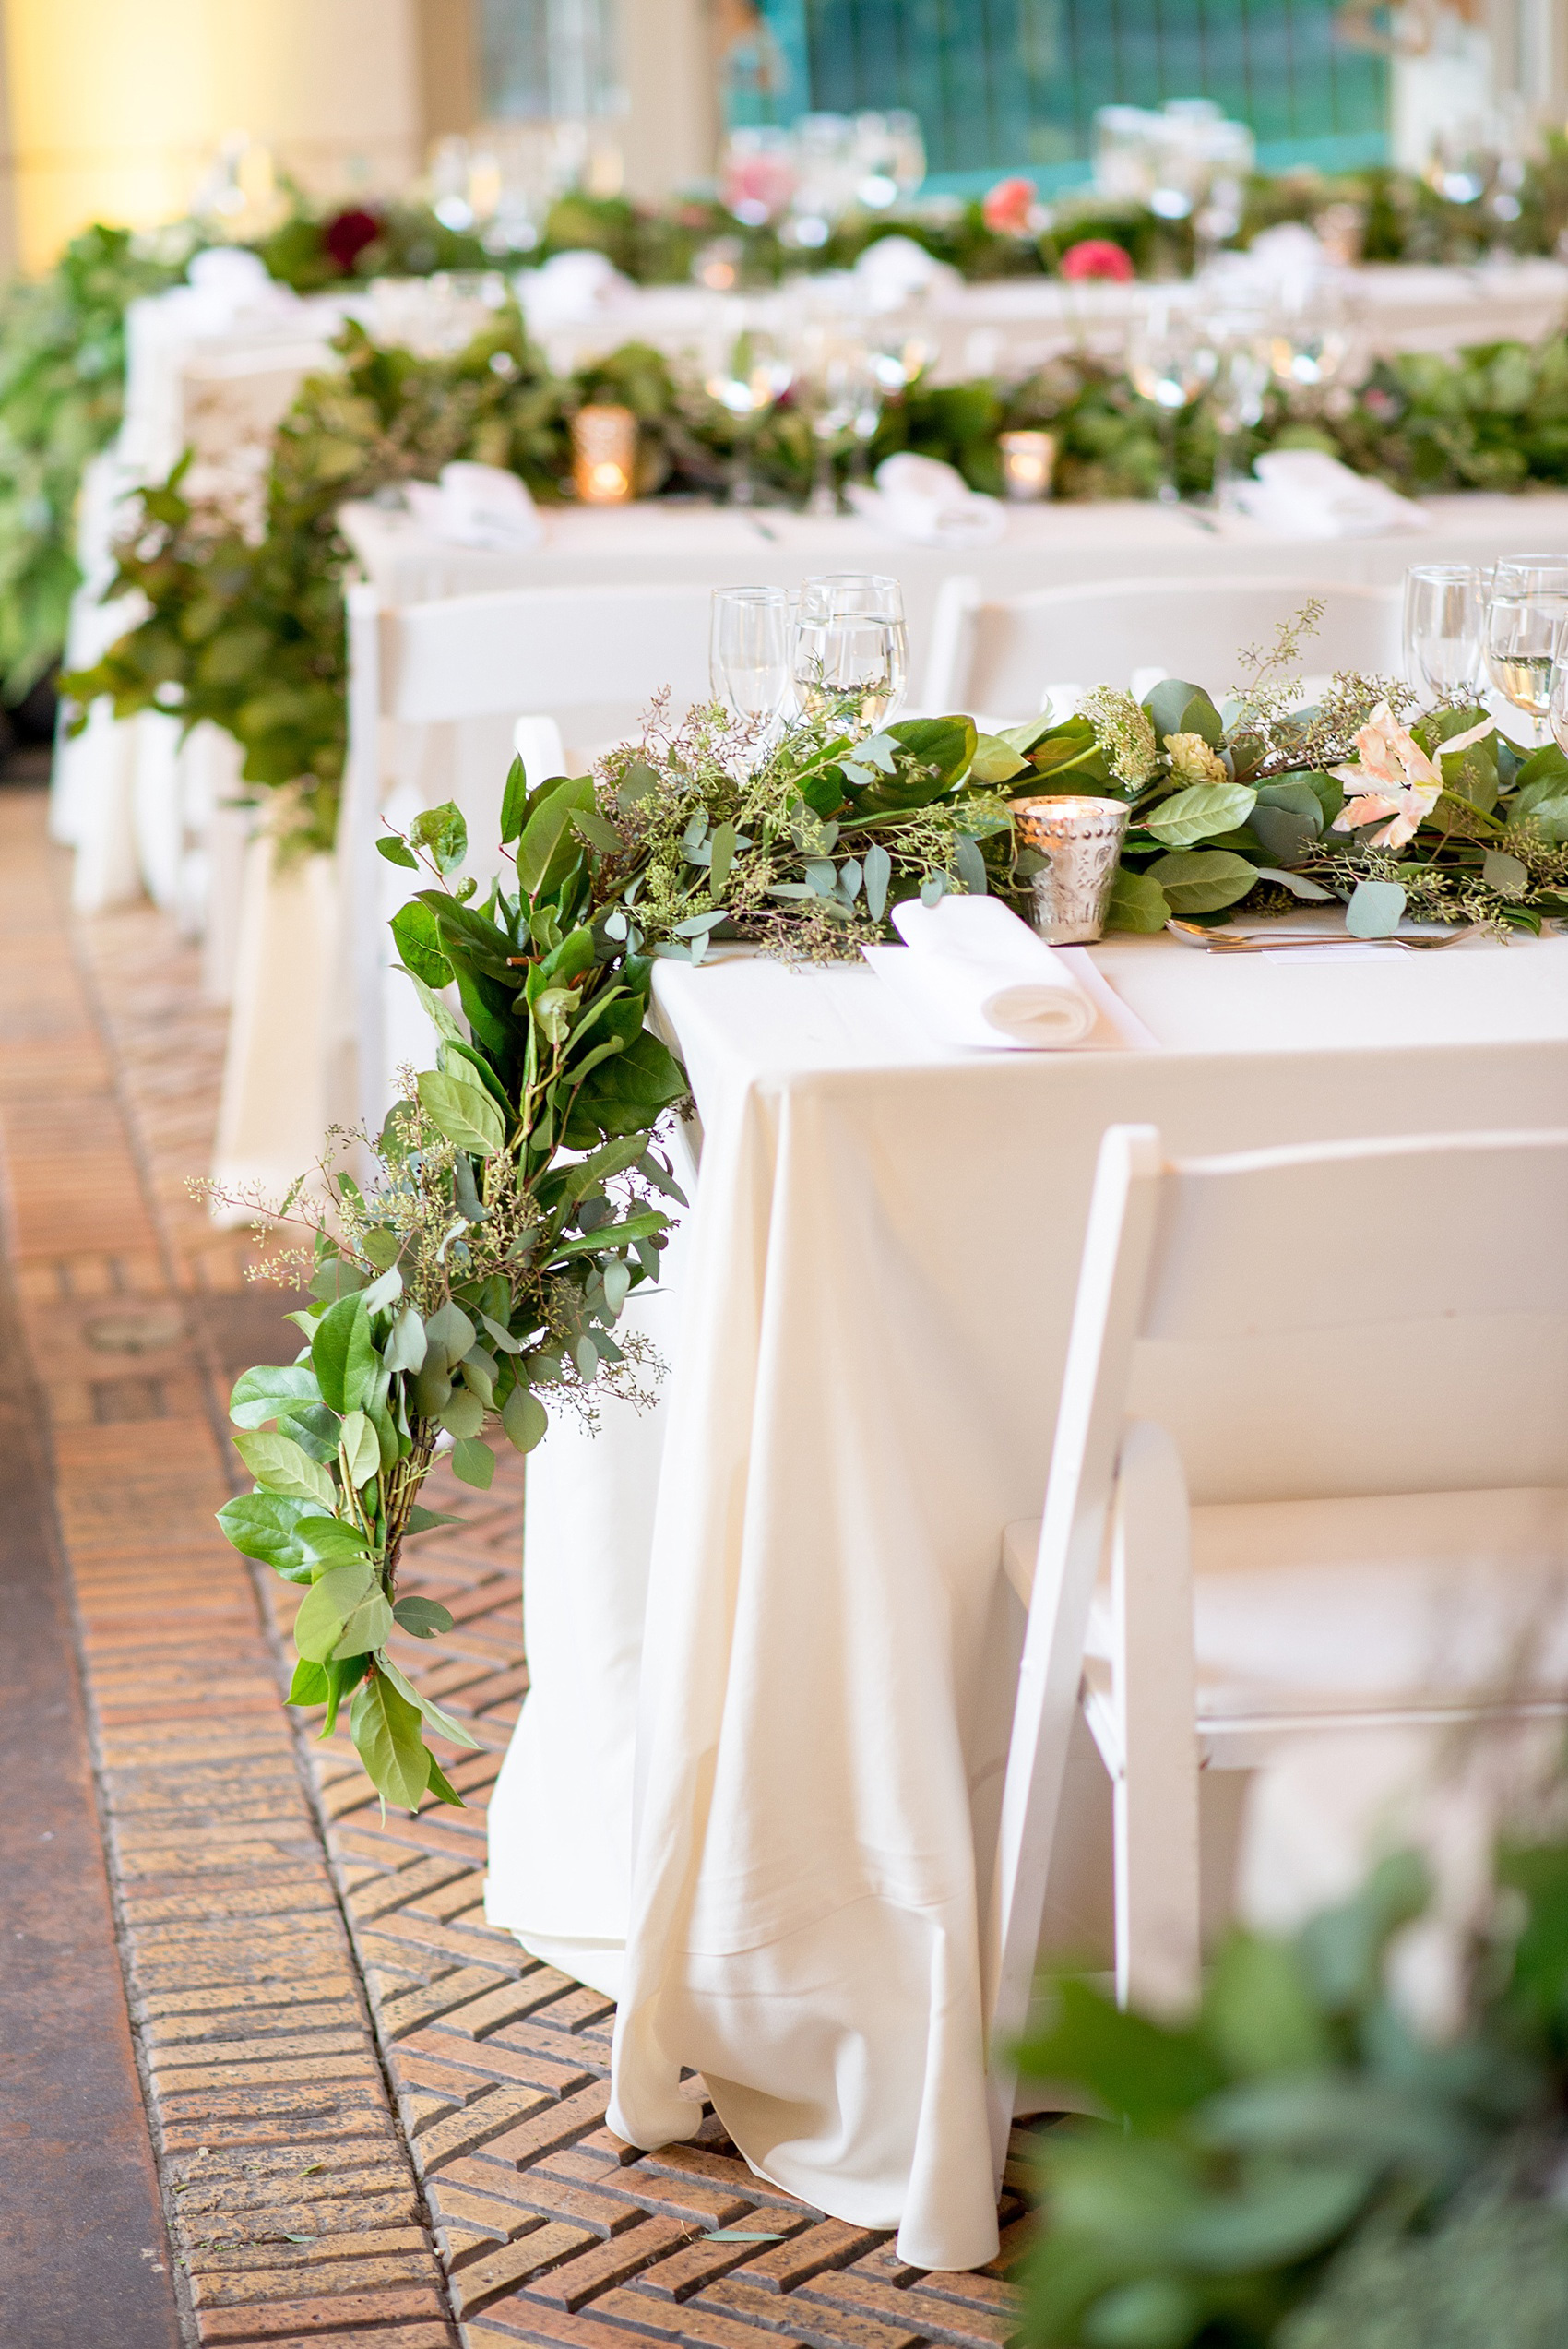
<point x="1389" y="753"/>
<point x="1192" y="760"/>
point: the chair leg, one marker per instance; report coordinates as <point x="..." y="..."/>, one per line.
<point x="1158" y="1958"/>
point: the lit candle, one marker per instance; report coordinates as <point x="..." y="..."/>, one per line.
<point x="604" y="451"/>
<point x="1026" y="461"/>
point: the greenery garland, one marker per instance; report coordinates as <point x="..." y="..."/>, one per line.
<point x="483" y="1270"/>
<point x="249" y="633"/>
<point x="62" y="336"/>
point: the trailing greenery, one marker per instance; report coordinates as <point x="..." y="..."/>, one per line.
<point x="1297" y="2166"/>
<point x="62" y="368"/>
<point x="482" y="1272"/>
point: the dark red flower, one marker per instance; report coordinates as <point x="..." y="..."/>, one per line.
<point x="347" y="235"/>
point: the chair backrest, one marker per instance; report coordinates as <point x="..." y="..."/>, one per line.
<point x="1344" y="1318"/>
<point x="1001" y="656"/>
<point x="552" y="650"/>
<point x="519" y="654"/>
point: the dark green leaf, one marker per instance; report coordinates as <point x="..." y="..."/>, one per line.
<point x="1137" y="903"/>
<point x="421" y="1617"/>
<point x="265" y="1526"/>
<point x="418" y="940"/>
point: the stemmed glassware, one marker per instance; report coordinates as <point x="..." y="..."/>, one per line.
<point x="1522" y="636"/>
<point x="1170" y="362"/>
<point x="749" y="653"/>
<point x="748" y="372"/>
<point x="843" y="398"/>
<point x="1444" y="628"/>
<point x="1235" y="401"/>
<point x="851" y="649"/>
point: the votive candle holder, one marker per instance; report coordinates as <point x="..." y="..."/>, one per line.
<point x="604" y="454"/>
<point x="1028" y="460"/>
<point x="1080" y="838"/>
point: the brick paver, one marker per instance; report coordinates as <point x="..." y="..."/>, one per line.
<point x="253" y="1954"/>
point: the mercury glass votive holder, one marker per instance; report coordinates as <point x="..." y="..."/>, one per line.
<point x="604" y="454"/>
<point x="1080" y="839"/>
<point x="1028" y="462"/>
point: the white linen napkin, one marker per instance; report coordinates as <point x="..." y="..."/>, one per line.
<point x="927" y="504"/>
<point x="1308" y="495"/>
<point x="975" y="974"/>
<point x="571" y="289"/>
<point x="477" y="506"/>
<point x="896" y="269"/>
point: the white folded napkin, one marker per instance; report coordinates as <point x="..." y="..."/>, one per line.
<point x="975" y="974"/>
<point x="477" y="506"/>
<point x="927" y="504"/>
<point x="896" y="269"/>
<point x="571" y="289"/>
<point x="227" y="283"/>
<point x="1305" y="494"/>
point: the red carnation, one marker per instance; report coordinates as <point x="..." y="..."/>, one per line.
<point x="1096" y="256"/>
<point x="347" y="235"/>
<point x="1012" y="208"/>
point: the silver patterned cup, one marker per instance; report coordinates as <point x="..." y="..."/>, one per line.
<point x="1080" y="840"/>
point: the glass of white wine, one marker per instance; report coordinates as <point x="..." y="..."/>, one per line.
<point x="1557" y="710"/>
<point x="1522" y="637"/>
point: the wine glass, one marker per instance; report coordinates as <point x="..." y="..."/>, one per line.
<point x="851" y="649"/>
<point x="1522" y="636"/>
<point x="748" y="372"/>
<point x="1557" y="706"/>
<point x="1169" y="363"/>
<point x="748" y="653"/>
<point x="1531" y="575"/>
<point x="1235" y="401"/>
<point x="841" y="390"/>
<point x="1445" y="627"/>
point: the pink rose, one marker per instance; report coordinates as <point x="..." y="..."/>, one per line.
<point x="1096" y="256"/>
<point x="1011" y="207"/>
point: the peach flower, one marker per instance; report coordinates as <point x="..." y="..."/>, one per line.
<point x="1012" y="208"/>
<point x="1389" y="755"/>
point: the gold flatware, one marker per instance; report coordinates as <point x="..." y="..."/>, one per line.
<point x="1261" y="942"/>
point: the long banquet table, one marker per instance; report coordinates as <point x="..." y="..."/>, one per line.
<point x="768" y="1637"/>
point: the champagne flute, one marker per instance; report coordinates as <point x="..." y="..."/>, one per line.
<point x="1170" y="364"/>
<point x="748" y="653"/>
<point x="1444" y="626"/>
<point x="1522" y="636"/>
<point x="1236" y="403"/>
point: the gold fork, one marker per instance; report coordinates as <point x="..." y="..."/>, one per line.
<point x="1259" y="942"/>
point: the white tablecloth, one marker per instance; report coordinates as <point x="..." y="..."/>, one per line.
<point x="1012" y="325"/>
<point x="877" y="1281"/>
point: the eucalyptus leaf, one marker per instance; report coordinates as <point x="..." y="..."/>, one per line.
<point x="524" y="1418"/>
<point x="362" y="1450"/>
<point x="405" y="1347"/>
<point x="878" y="875"/>
<point x="328" y="1605"/>
<point x="473" y="1462"/>
<point x="1199" y="812"/>
<point x="261" y="1394"/>
<point x="464" y="1113"/>
<point x="1297" y="883"/>
<point x="280" y="1465"/>
<point x="422" y="1618"/>
<point x="463" y="1413"/>
<point x="442" y="1723"/>
<point x="1201" y="881"/>
<point x="449" y="1335"/>
<point x="343" y="1354"/>
<point x="384" y="1727"/>
<point x="1374" y="910"/>
<point x="1507" y="875"/>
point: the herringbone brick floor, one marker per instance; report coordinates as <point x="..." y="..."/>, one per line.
<point x="371" y="2107"/>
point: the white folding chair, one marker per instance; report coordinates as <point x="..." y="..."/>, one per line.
<point x="1005" y="655"/>
<point x="542" y="654"/>
<point x="1273" y="1357"/>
